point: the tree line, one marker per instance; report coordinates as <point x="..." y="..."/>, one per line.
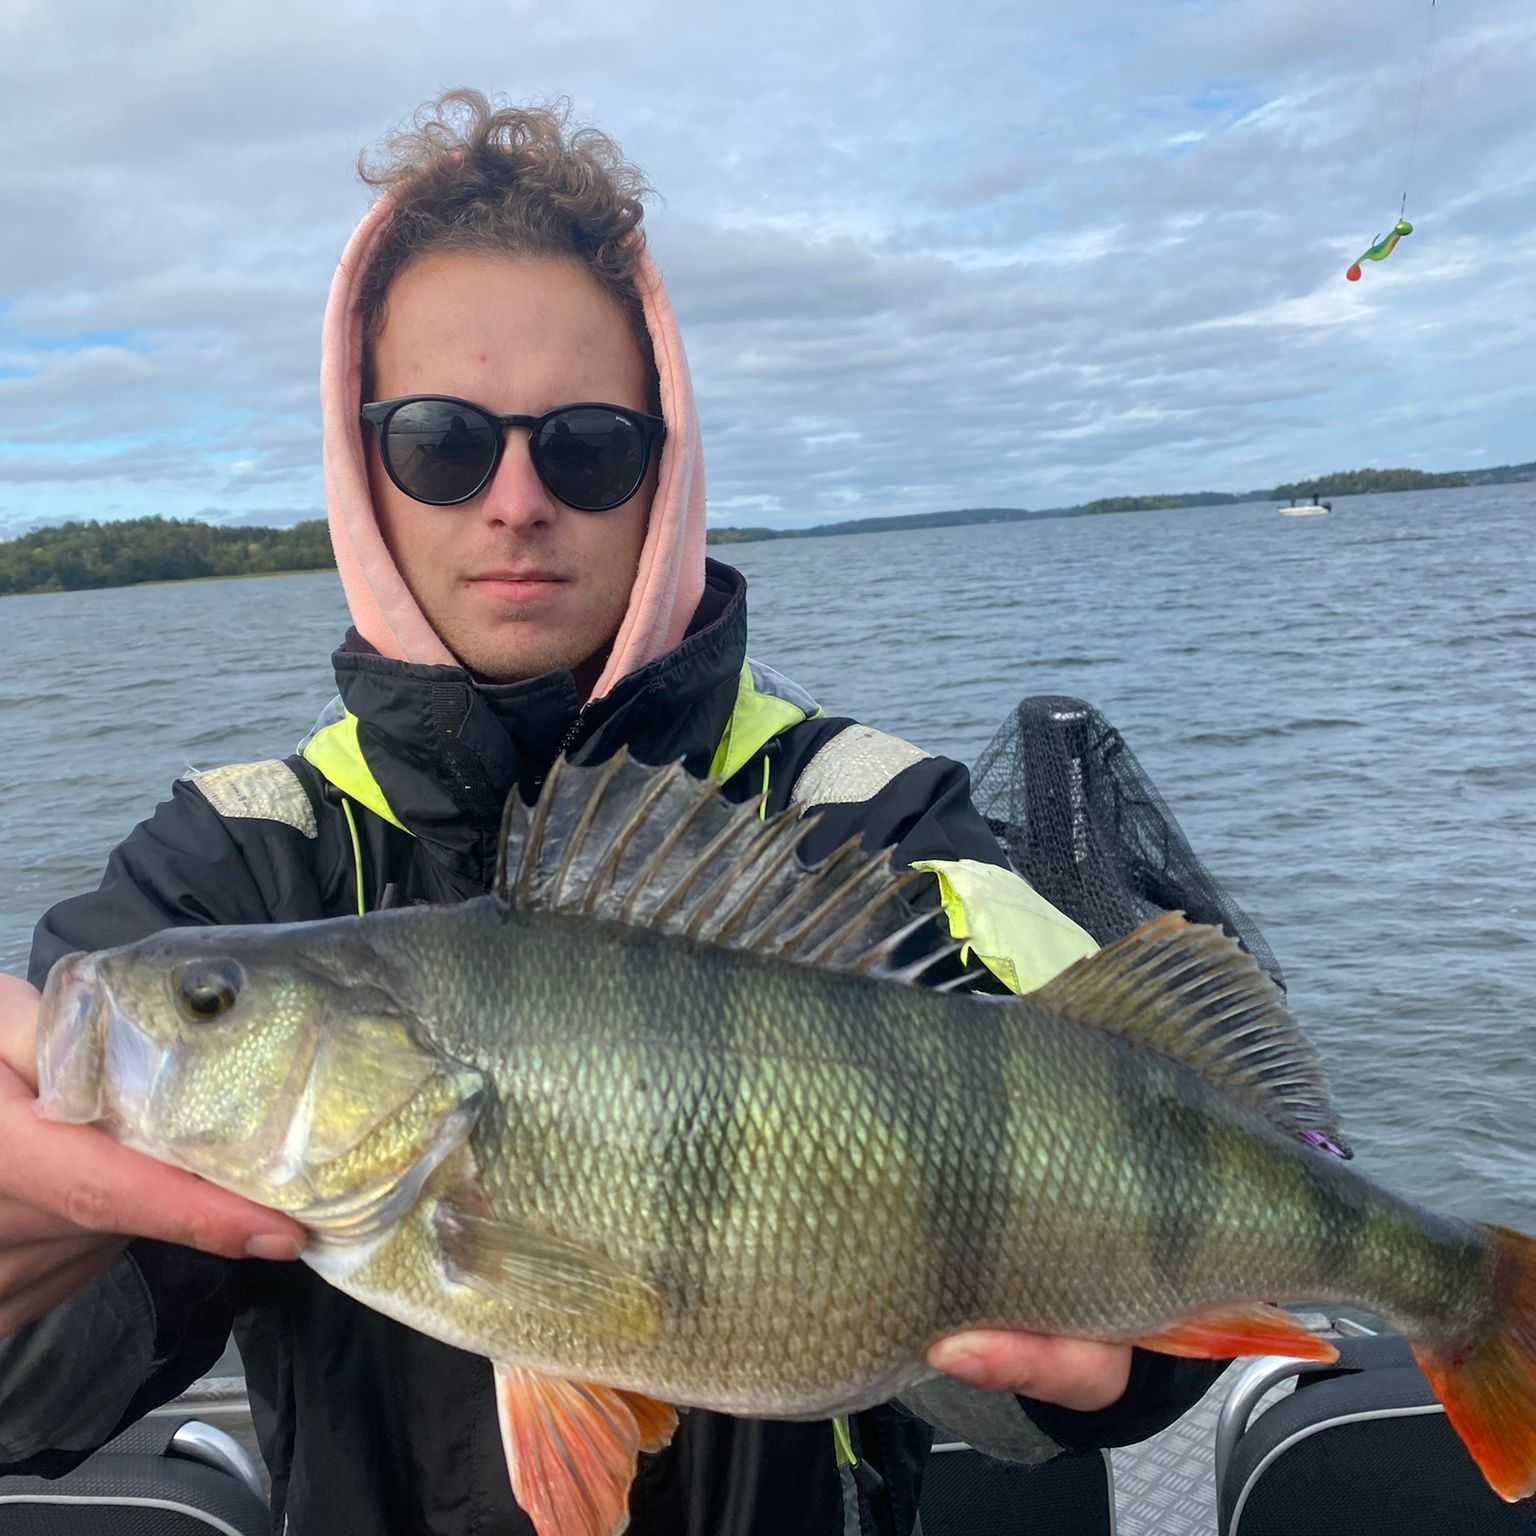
<point x="1364" y="482"/>
<point x="78" y="556"/>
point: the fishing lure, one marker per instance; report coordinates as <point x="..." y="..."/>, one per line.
<point x="1382" y="248"/>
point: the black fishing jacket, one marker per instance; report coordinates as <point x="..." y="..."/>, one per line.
<point x="366" y="1425"/>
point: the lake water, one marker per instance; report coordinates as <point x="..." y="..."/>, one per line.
<point x="1338" y="709"/>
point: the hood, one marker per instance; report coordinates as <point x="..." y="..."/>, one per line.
<point x="670" y="579"/>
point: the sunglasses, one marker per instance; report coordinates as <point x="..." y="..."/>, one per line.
<point x="441" y="450"/>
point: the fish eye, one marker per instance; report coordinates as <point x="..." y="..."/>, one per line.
<point x="206" y="989"/>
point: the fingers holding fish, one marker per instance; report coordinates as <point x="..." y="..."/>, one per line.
<point x="65" y="1180"/>
<point x="1081" y="1374"/>
<point x="44" y="1255"/>
<point x="70" y="1181"/>
<point x="18" y="1029"/>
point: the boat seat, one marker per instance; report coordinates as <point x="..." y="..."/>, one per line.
<point x="162" y="1477"/>
<point x="968" y="1494"/>
<point x="1360" y="1447"/>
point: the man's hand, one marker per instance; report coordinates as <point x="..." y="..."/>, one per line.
<point x="1072" y="1373"/>
<point x="70" y="1197"/>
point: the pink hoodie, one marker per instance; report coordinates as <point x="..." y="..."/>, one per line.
<point x="670" y="578"/>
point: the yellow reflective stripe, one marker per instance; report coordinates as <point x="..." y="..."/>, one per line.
<point x="357" y="854"/>
<point x="1009" y="926"/>
<point x="755" y="721"/>
<point x="842" y="1438"/>
<point x="337" y="754"/>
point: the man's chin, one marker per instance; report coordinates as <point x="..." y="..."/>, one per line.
<point x="522" y="664"/>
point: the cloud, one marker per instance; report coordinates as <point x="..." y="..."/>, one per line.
<point x="1046" y="254"/>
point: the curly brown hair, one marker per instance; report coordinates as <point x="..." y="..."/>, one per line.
<point x="469" y="176"/>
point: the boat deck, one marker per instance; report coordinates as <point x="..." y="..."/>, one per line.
<point x="1166" y="1486"/>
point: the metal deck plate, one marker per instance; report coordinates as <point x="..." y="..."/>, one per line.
<point x="1166" y="1486"/>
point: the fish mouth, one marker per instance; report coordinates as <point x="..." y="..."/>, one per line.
<point x="69" y="1042"/>
<point x="83" y="1043"/>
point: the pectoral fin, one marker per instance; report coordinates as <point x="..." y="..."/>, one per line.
<point x="572" y="1448"/>
<point x="542" y="1272"/>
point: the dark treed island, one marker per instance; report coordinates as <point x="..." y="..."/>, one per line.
<point x="1361" y="482"/>
<point x="78" y="556"/>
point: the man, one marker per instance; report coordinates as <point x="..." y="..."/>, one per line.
<point x="515" y="488"/>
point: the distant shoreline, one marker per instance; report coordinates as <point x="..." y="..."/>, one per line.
<point x="183" y="581"/>
<point x="1354" y="483"/>
<point x="172" y="581"/>
<point x="155" y="551"/>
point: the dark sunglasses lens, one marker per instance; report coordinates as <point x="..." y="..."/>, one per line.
<point x="590" y="458"/>
<point x="439" y="451"/>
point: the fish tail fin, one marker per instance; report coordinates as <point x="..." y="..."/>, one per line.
<point x="1488" y="1383"/>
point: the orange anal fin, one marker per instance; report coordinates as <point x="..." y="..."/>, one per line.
<point x="656" y="1421"/>
<point x="572" y="1448"/>
<point x="1489" y="1386"/>
<point x="1246" y="1330"/>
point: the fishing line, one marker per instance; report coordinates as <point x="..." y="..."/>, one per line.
<point x="1383" y="245"/>
<point x="1418" y="105"/>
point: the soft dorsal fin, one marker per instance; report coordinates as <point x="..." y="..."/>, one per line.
<point x="1191" y="992"/>
<point x="659" y="849"/>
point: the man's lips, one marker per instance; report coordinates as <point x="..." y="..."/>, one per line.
<point x="516" y="574"/>
<point x="515" y="583"/>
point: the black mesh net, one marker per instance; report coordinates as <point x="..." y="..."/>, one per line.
<point x="1080" y="820"/>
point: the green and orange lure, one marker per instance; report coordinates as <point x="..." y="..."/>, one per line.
<point x="1382" y="248"/>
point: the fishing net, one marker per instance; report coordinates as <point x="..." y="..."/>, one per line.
<point x="1079" y="818"/>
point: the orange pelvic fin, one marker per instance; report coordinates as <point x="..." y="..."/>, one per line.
<point x="572" y="1448"/>
<point x="656" y="1421"/>
<point x="1488" y="1384"/>
<point x="1254" y="1329"/>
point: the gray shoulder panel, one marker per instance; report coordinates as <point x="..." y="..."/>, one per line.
<point x="856" y="764"/>
<point x="266" y="791"/>
<point x="771" y="681"/>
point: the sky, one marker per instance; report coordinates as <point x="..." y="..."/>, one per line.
<point x="924" y="256"/>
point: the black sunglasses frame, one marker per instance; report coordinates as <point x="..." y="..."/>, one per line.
<point x="653" y="430"/>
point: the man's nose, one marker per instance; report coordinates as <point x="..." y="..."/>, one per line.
<point x="516" y="497"/>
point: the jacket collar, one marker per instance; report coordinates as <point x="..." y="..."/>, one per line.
<point x="447" y="750"/>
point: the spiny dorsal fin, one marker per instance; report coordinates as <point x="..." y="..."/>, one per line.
<point x="659" y="849"/>
<point x="1189" y="991"/>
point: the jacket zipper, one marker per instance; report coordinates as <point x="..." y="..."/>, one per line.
<point x="573" y="733"/>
